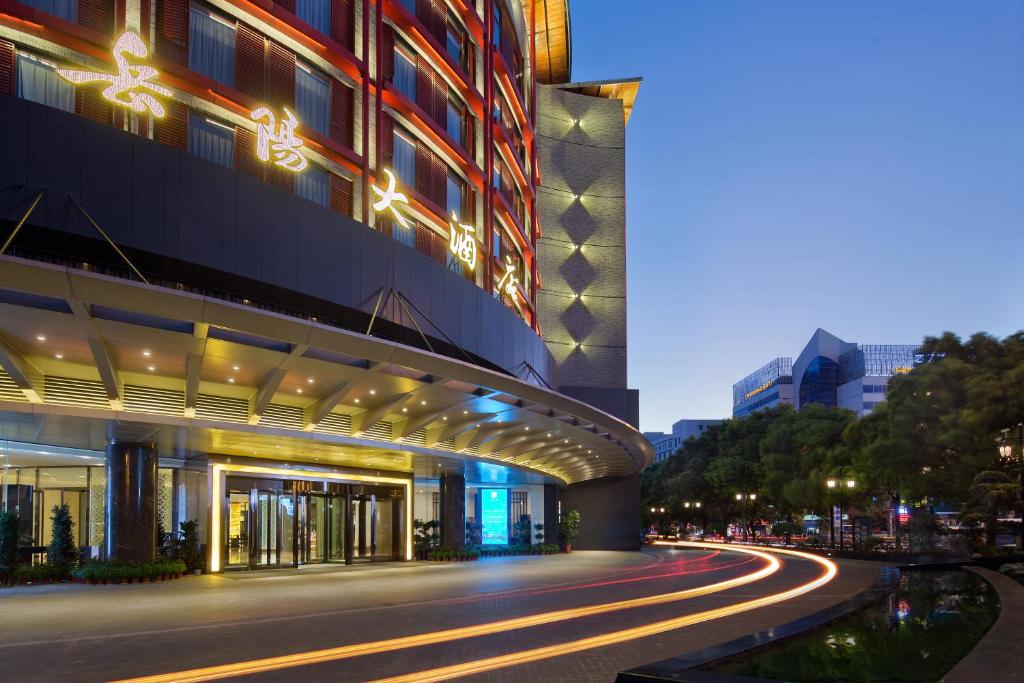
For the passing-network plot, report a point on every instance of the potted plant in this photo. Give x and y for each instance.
(8, 545)
(569, 528)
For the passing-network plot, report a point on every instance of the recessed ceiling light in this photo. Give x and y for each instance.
(373, 392)
(298, 391)
(58, 356)
(357, 400)
(151, 368)
(465, 412)
(147, 353)
(41, 337)
(423, 403)
(309, 381)
(405, 410)
(549, 435)
(236, 368)
(527, 427)
(445, 418)
(231, 380)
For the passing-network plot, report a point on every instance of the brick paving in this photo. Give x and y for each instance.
(87, 633)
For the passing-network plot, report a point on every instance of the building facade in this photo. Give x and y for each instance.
(767, 387)
(272, 267)
(829, 371)
(666, 444)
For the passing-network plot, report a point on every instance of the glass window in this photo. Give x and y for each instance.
(406, 236)
(496, 31)
(211, 46)
(453, 44)
(316, 13)
(455, 202)
(313, 184)
(405, 74)
(409, 5)
(65, 9)
(38, 81)
(496, 244)
(404, 163)
(211, 140)
(455, 126)
(312, 99)
(819, 382)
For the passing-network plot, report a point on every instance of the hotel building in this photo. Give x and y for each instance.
(279, 267)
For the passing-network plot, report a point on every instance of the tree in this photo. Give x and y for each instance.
(9, 523)
(787, 530)
(569, 526)
(990, 492)
(62, 551)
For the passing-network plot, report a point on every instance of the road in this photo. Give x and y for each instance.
(578, 617)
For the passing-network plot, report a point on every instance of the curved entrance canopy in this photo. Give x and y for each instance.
(89, 358)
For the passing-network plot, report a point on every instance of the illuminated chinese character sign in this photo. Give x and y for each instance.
(494, 516)
(132, 85)
(388, 197)
(462, 241)
(509, 284)
(279, 139)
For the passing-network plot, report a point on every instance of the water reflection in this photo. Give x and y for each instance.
(925, 626)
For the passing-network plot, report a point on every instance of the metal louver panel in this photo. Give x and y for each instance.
(284, 417)
(448, 445)
(223, 409)
(381, 430)
(9, 391)
(333, 423)
(417, 438)
(81, 393)
(157, 401)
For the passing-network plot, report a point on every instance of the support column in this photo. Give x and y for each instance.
(130, 521)
(551, 513)
(453, 511)
(349, 529)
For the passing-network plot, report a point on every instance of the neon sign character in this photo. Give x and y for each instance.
(279, 139)
(509, 283)
(461, 241)
(131, 86)
(388, 197)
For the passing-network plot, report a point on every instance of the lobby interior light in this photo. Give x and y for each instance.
(146, 353)
(310, 380)
(151, 368)
(357, 400)
(373, 392)
(236, 368)
(299, 390)
(231, 380)
(59, 356)
(41, 337)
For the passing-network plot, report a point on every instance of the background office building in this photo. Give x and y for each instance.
(769, 386)
(830, 372)
(666, 444)
(274, 267)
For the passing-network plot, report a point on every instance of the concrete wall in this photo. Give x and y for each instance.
(609, 512)
(169, 209)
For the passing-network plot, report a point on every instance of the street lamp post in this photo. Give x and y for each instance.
(691, 505)
(745, 497)
(1006, 453)
(842, 483)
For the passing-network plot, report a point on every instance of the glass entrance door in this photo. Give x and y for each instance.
(362, 528)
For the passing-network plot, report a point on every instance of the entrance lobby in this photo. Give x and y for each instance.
(287, 523)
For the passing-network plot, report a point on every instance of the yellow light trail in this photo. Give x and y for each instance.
(616, 637)
(361, 649)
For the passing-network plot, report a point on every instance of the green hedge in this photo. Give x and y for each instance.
(39, 573)
(441, 555)
(122, 571)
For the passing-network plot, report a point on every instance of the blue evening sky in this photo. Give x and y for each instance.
(856, 165)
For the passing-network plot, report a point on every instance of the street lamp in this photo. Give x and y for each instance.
(691, 505)
(841, 483)
(746, 498)
(1006, 453)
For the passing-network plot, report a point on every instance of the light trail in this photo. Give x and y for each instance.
(361, 649)
(624, 635)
